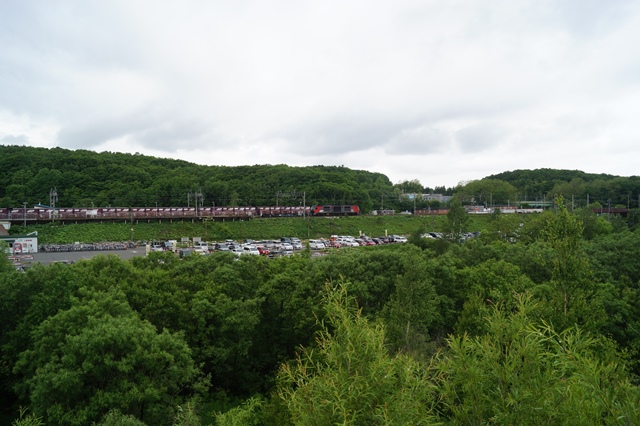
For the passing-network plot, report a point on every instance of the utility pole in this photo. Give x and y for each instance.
(24, 210)
(198, 196)
(53, 198)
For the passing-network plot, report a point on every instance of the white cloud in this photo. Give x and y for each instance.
(430, 90)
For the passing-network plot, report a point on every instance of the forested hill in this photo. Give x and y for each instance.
(84, 178)
(597, 188)
(543, 180)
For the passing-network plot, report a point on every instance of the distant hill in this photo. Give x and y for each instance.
(576, 184)
(84, 178)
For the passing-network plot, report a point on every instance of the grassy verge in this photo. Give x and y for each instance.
(315, 227)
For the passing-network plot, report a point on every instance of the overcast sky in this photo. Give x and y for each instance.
(440, 91)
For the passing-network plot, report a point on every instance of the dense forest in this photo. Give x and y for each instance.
(533, 322)
(580, 187)
(84, 178)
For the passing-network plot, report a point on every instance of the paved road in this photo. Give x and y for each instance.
(47, 258)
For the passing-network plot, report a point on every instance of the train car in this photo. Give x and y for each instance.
(335, 210)
(280, 211)
(427, 212)
(113, 213)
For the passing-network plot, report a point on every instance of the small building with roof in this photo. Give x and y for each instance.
(18, 244)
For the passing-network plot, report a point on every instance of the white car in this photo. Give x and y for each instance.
(202, 250)
(348, 242)
(250, 249)
(316, 245)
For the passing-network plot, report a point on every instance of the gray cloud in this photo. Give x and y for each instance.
(342, 81)
(419, 140)
(480, 137)
(340, 135)
(156, 132)
(15, 139)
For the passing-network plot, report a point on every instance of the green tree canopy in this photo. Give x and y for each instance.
(99, 355)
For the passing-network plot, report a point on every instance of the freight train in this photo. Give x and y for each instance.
(47, 214)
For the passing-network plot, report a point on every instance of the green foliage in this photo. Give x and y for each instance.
(186, 415)
(250, 413)
(504, 227)
(488, 284)
(469, 347)
(350, 378)
(525, 373)
(457, 219)
(412, 308)
(27, 300)
(98, 355)
(272, 228)
(5, 265)
(597, 188)
(85, 179)
(615, 259)
(570, 278)
(488, 192)
(410, 187)
(27, 419)
(116, 418)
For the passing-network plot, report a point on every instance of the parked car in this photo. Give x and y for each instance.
(335, 244)
(250, 249)
(270, 244)
(202, 250)
(316, 245)
(221, 247)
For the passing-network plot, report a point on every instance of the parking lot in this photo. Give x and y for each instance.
(72, 253)
(47, 258)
